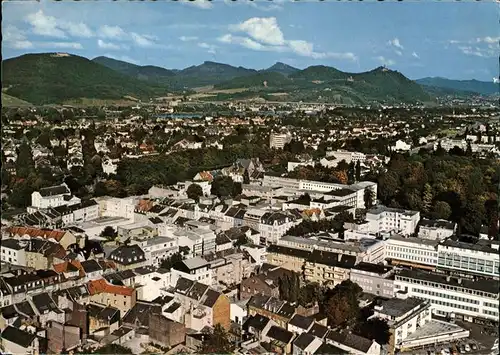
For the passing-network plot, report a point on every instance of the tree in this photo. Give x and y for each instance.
(216, 342)
(222, 186)
(109, 233)
(289, 287)
(24, 163)
(167, 263)
(113, 349)
(369, 197)
(375, 328)
(342, 305)
(358, 171)
(194, 191)
(427, 198)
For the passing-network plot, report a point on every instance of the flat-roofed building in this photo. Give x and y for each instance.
(479, 257)
(374, 278)
(451, 296)
(436, 229)
(414, 252)
(401, 221)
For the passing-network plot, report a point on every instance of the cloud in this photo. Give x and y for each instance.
(15, 38)
(398, 52)
(395, 43)
(77, 29)
(60, 45)
(385, 61)
(488, 39)
(277, 5)
(188, 38)
(262, 29)
(108, 45)
(112, 32)
(44, 25)
(201, 4)
(142, 40)
(264, 34)
(415, 55)
(212, 49)
(477, 51)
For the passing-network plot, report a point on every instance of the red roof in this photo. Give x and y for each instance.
(37, 232)
(102, 286)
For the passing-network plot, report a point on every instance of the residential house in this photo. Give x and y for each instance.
(128, 257)
(17, 341)
(306, 344)
(103, 319)
(280, 340)
(352, 343)
(64, 238)
(53, 196)
(62, 337)
(121, 297)
(166, 332)
(195, 269)
(265, 283)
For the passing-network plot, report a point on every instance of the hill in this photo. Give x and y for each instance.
(475, 86)
(209, 73)
(12, 101)
(282, 68)
(54, 78)
(327, 84)
(150, 73)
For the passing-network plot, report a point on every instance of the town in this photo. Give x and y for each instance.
(250, 228)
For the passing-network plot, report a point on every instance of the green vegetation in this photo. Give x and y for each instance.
(471, 86)
(12, 101)
(217, 342)
(459, 187)
(52, 78)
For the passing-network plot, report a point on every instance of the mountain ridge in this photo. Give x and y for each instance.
(471, 85)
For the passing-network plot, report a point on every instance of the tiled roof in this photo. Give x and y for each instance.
(37, 232)
(101, 286)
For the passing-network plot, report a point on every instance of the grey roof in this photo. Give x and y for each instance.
(351, 340)
(301, 321)
(488, 286)
(280, 334)
(328, 349)
(12, 243)
(318, 330)
(90, 266)
(303, 341)
(257, 322)
(397, 307)
(18, 336)
(54, 190)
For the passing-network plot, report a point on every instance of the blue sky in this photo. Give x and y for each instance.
(458, 40)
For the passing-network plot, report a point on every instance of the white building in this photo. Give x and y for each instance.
(410, 251)
(347, 156)
(384, 219)
(53, 196)
(450, 296)
(404, 315)
(158, 248)
(436, 229)
(194, 269)
(278, 140)
(200, 241)
(116, 207)
(401, 146)
(373, 278)
(480, 258)
(13, 251)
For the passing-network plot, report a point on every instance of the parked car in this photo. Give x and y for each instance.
(473, 346)
(467, 347)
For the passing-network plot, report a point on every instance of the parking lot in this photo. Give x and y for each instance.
(481, 341)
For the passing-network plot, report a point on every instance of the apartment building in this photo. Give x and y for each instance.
(278, 140)
(414, 252)
(478, 257)
(158, 248)
(194, 269)
(452, 296)
(404, 316)
(384, 219)
(53, 196)
(374, 278)
(436, 229)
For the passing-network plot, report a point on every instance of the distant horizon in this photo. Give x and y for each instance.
(261, 69)
(457, 40)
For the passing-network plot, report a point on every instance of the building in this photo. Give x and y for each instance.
(265, 283)
(414, 252)
(404, 316)
(436, 229)
(158, 248)
(121, 297)
(478, 257)
(384, 219)
(278, 140)
(128, 257)
(17, 341)
(374, 278)
(62, 237)
(328, 268)
(194, 269)
(452, 297)
(53, 196)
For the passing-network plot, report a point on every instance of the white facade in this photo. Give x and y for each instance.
(412, 251)
(481, 258)
(116, 207)
(404, 319)
(452, 297)
(12, 252)
(436, 230)
(158, 248)
(54, 196)
(278, 140)
(384, 219)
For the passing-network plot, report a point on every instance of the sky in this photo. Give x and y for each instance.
(456, 40)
